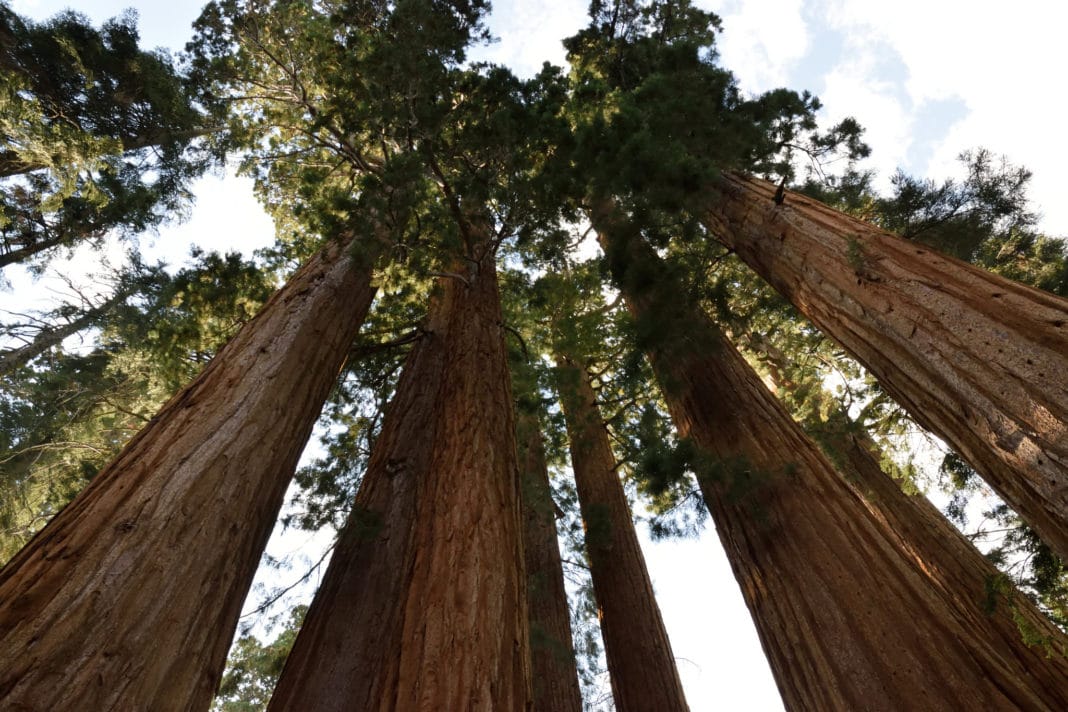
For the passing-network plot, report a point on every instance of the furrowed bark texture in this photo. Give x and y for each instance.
(977, 359)
(951, 562)
(128, 599)
(640, 662)
(423, 606)
(965, 578)
(552, 653)
(847, 617)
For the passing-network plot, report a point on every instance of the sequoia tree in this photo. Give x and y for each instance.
(192, 498)
(424, 603)
(67, 410)
(975, 358)
(805, 548)
(552, 653)
(951, 562)
(640, 662)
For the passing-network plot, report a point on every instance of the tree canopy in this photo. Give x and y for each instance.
(365, 123)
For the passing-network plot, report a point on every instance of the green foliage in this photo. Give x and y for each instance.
(64, 416)
(361, 117)
(656, 118)
(253, 668)
(93, 133)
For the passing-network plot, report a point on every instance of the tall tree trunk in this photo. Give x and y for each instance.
(552, 652)
(977, 359)
(951, 561)
(640, 662)
(128, 599)
(423, 606)
(848, 618)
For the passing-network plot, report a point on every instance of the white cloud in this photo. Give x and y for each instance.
(761, 41)
(531, 33)
(853, 88)
(1003, 62)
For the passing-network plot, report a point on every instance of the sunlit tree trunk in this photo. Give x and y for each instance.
(966, 578)
(552, 653)
(952, 563)
(640, 662)
(848, 618)
(423, 606)
(977, 359)
(128, 599)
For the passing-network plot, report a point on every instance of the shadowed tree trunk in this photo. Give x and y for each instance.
(977, 359)
(848, 618)
(552, 653)
(128, 599)
(423, 606)
(640, 662)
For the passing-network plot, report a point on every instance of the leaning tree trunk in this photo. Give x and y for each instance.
(977, 359)
(423, 606)
(552, 652)
(951, 561)
(128, 599)
(640, 662)
(847, 616)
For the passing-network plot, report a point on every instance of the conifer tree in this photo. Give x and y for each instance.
(640, 662)
(552, 653)
(193, 499)
(973, 357)
(66, 412)
(806, 551)
(95, 134)
(424, 603)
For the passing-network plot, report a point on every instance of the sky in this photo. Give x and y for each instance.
(927, 80)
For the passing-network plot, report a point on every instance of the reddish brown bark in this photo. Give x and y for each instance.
(128, 599)
(977, 359)
(640, 662)
(950, 560)
(847, 616)
(423, 606)
(552, 653)
(965, 577)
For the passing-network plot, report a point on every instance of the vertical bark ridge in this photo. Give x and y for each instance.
(641, 664)
(979, 360)
(553, 667)
(427, 609)
(848, 618)
(951, 562)
(128, 599)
